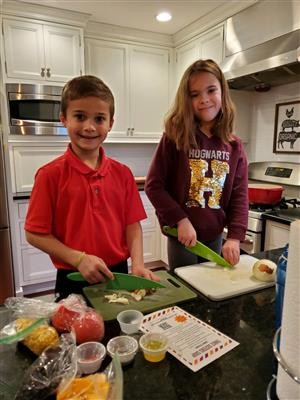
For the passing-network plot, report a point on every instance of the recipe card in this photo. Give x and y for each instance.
(191, 341)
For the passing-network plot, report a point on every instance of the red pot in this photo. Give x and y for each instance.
(264, 193)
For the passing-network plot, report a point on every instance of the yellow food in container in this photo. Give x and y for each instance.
(88, 388)
(154, 346)
(40, 338)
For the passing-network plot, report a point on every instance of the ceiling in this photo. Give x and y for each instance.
(140, 14)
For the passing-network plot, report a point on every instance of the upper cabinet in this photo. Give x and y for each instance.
(139, 79)
(207, 45)
(43, 52)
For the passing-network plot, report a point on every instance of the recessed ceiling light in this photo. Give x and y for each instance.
(163, 16)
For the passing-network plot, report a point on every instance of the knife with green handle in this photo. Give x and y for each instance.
(200, 249)
(122, 281)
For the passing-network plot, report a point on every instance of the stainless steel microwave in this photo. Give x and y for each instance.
(34, 109)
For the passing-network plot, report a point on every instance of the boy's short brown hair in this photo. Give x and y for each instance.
(85, 86)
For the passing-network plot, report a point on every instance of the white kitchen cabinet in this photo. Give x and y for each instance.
(31, 266)
(139, 79)
(44, 52)
(26, 160)
(276, 235)
(205, 46)
(151, 232)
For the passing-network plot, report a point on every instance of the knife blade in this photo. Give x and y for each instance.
(200, 249)
(122, 281)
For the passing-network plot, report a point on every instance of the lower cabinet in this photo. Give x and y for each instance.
(151, 232)
(34, 271)
(276, 235)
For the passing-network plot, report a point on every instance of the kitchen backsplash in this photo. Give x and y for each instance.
(136, 155)
(260, 146)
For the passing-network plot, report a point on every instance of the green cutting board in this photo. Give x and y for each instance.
(175, 292)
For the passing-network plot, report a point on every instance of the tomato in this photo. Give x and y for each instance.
(64, 318)
(89, 328)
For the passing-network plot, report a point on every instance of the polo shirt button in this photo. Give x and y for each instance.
(96, 190)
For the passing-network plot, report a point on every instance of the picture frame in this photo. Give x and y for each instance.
(287, 128)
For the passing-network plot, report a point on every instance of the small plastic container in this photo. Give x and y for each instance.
(90, 356)
(154, 346)
(130, 321)
(125, 346)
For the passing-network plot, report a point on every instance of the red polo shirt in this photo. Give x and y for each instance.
(86, 209)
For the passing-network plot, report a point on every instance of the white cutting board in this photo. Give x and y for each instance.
(219, 283)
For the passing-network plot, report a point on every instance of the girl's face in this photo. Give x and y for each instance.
(88, 122)
(206, 96)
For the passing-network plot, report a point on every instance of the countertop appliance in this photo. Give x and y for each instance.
(6, 268)
(34, 109)
(277, 173)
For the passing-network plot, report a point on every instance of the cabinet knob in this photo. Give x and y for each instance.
(131, 131)
(43, 72)
(48, 73)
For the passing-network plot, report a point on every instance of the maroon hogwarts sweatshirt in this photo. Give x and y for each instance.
(208, 184)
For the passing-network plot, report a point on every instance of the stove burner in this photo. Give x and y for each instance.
(282, 205)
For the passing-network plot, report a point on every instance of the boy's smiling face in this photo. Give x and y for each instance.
(88, 122)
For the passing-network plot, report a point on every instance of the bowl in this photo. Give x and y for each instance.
(154, 346)
(125, 346)
(90, 356)
(130, 321)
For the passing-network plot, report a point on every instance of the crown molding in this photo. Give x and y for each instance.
(50, 14)
(107, 31)
(210, 20)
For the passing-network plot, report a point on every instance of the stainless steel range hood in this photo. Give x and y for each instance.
(272, 63)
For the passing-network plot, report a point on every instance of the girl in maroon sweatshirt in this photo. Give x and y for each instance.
(197, 180)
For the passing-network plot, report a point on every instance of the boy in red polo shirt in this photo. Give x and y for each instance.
(85, 209)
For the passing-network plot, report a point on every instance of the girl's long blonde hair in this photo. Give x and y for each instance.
(180, 122)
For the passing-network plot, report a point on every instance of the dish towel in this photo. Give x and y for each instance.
(287, 388)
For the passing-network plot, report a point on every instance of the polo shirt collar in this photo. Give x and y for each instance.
(84, 169)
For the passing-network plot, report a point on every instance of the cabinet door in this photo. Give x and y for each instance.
(277, 235)
(211, 45)
(24, 49)
(63, 53)
(149, 91)
(151, 232)
(185, 55)
(26, 161)
(109, 62)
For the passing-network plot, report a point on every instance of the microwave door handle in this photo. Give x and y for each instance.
(19, 96)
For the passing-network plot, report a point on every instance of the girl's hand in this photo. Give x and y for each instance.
(94, 269)
(186, 233)
(231, 251)
(145, 273)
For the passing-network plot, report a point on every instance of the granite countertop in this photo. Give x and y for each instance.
(242, 373)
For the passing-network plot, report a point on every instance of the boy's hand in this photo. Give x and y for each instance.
(94, 269)
(145, 273)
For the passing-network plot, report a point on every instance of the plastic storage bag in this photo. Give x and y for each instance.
(55, 365)
(26, 315)
(101, 386)
(73, 314)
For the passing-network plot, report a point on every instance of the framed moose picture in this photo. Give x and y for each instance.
(287, 128)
